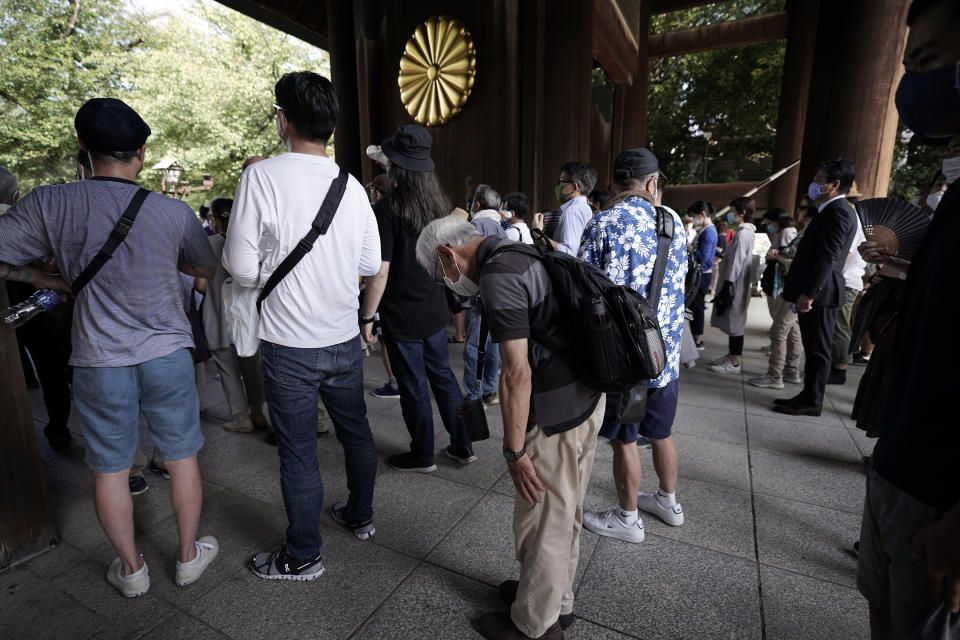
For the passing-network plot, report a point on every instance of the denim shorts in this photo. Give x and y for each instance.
(110, 400)
(657, 424)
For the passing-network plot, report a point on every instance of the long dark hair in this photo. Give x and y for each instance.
(416, 198)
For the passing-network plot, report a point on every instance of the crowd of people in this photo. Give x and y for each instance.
(149, 320)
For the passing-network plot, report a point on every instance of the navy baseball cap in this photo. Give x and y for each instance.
(110, 126)
(635, 163)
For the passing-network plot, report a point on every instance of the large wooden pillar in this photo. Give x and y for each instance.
(794, 93)
(856, 68)
(630, 108)
(24, 505)
(343, 68)
(557, 41)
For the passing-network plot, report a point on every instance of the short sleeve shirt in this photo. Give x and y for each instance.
(132, 310)
(623, 242)
(413, 306)
(518, 302)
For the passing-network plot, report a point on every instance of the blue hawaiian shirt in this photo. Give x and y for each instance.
(623, 242)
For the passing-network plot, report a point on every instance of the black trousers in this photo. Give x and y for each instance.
(47, 338)
(698, 304)
(816, 332)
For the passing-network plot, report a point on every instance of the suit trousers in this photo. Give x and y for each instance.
(816, 331)
(547, 535)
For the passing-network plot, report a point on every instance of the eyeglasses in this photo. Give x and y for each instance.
(562, 181)
(276, 108)
(438, 273)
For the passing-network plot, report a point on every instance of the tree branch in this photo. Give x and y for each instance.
(73, 21)
(9, 98)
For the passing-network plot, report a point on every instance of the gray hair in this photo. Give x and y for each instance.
(638, 184)
(9, 186)
(449, 230)
(487, 197)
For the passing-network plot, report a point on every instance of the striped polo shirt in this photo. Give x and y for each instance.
(518, 302)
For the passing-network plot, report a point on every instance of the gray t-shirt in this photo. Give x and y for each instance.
(132, 310)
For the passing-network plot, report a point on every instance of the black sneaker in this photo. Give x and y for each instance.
(153, 467)
(463, 456)
(861, 358)
(837, 376)
(280, 565)
(138, 485)
(386, 391)
(363, 530)
(700, 346)
(409, 462)
(491, 400)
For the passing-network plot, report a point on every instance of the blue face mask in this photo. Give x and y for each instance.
(730, 218)
(772, 228)
(929, 101)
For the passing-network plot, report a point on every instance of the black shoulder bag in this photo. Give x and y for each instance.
(318, 228)
(471, 412)
(120, 231)
(631, 406)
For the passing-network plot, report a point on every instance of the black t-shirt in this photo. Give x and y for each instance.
(414, 306)
(919, 445)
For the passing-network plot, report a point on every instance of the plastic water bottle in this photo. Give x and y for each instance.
(268, 244)
(41, 300)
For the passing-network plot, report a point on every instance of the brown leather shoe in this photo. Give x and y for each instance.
(497, 625)
(798, 410)
(508, 593)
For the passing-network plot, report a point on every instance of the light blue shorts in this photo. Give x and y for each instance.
(110, 400)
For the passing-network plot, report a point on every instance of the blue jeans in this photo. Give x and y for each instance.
(491, 361)
(415, 364)
(292, 378)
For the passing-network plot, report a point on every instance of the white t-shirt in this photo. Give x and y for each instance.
(520, 232)
(854, 266)
(316, 304)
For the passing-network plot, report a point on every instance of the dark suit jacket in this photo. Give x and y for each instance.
(817, 269)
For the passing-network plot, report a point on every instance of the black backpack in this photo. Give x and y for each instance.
(610, 337)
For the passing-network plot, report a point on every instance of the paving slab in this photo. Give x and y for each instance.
(334, 605)
(801, 438)
(431, 603)
(797, 607)
(668, 589)
(711, 424)
(809, 478)
(31, 608)
(807, 539)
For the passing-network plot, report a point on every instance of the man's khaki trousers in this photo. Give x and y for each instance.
(548, 534)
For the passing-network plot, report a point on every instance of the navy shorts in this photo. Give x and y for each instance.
(656, 425)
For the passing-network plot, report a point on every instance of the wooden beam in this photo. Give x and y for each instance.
(668, 6)
(307, 24)
(722, 35)
(614, 46)
(681, 196)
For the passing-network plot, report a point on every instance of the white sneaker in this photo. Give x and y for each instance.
(767, 382)
(647, 501)
(608, 523)
(134, 585)
(207, 549)
(725, 367)
(720, 360)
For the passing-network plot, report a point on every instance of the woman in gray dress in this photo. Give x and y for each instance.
(731, 302)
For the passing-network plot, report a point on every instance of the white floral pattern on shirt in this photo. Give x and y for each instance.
(623, 242)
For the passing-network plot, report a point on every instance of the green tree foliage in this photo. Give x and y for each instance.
(203, 80)
(914, 166)
(734, 94)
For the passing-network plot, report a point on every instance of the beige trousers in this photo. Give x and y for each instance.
(548, 534)
(786, 347)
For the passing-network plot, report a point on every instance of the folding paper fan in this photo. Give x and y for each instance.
(897, 226)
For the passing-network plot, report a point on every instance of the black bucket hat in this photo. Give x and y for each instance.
(410, 148)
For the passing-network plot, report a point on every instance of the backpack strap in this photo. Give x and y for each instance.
(318, 228)
(120, 231)
(664, 238)
(481, 353)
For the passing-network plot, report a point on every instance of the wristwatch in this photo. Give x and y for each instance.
(364, 321)
(513, 456)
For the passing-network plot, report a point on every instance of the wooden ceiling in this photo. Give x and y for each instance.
(304, 19)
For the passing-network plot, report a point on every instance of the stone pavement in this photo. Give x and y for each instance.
(772, 506)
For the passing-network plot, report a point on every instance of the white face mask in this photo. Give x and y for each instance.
(934, 199)
(951, 168)
(506, 214)
(464, 286)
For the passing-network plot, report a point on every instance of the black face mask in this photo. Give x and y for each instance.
(929, 102)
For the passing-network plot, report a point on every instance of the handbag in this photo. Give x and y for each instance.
(201, 349)
(242, 304)
(631, 406)
(471, 412)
